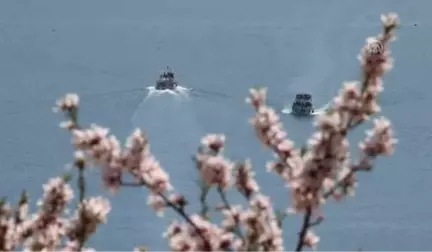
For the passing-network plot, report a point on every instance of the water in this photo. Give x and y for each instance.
(110, 52)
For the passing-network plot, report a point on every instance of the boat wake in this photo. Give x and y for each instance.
(170, 122)
(323, 109)
(179, 91)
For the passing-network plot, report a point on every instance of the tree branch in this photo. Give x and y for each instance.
(178, 210)
(304, 229)
(228, 206)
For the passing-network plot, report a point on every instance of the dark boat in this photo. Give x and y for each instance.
(302, 105)
(166, 81)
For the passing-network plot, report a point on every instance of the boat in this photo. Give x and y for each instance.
(302, 105)
(166, 81)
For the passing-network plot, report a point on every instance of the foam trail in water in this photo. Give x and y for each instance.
(321, 110)
(170, 122)
(178, 91)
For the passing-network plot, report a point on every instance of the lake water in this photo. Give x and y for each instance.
(108, 51)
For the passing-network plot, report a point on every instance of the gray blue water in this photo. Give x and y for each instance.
(107, 50)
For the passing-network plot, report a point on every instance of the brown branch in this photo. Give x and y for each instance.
(81, 183)
(203, 200)
(82, 191)
(338, 184)
(228, 206)
(343, 180)
(179, 210)
(316, 222)
(304, 229)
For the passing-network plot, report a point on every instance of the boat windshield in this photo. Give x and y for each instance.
(170, 75)
(303, 96)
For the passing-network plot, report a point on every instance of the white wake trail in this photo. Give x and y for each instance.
(171, 124)
(179, 92)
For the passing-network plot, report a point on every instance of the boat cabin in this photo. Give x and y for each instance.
(303, 97)
(166, 80)
(302, 105)
(168, 75)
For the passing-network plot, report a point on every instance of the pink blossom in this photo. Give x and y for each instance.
(215, 170)
(380, 140)
(311, 239)
(214, 142)
(244, 179)
(157, 203)
(231, 217)
(68, 102)
(258, 97)
(74, 246)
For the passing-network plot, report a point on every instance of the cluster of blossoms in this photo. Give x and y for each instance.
(313, 173)
(324, 166)
(104, 150)
(50, 229)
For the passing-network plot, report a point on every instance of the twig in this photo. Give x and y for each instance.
(338, 184)
(304, 229)
(82, 191)
(72, 114)
(81, 183)
(203, 200)
(228, 206)
(342, 181)
(316, 222)
(179, 210)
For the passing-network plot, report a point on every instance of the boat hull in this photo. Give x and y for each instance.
(166, 85)
(296, 111)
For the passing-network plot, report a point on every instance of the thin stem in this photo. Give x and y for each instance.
(342, 181)
(177, 209)
(316, 222)
(82, 191)
(81, 183)
(203, 200)
(228, 206)
(72, 114)
(304, 229)
(338, 184)
(182, 213)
